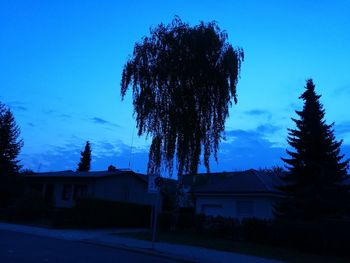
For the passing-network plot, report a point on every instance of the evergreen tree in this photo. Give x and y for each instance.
(10, 144)
(314, 182)
(112, 168)
(84, 165)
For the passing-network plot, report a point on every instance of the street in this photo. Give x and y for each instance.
(23, 248)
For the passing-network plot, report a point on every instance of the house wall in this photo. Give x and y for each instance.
(58, 200)
(236, 206)
(124, 188)
(67, 199)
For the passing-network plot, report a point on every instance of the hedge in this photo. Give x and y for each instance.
(102, 213)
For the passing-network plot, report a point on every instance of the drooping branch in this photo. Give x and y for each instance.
(183, 80)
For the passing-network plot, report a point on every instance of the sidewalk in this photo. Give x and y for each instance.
(103, 237)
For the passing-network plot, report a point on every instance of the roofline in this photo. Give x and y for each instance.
(79, 174)
(224, 172)
(257, 193)
(84, 177)
(262, 181)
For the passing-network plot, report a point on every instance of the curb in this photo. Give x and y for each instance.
(150, 252)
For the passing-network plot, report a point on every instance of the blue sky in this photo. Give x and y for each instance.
(61, 63)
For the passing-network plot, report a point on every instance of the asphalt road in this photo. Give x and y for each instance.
(24, 248)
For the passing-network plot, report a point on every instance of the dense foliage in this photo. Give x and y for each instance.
(102, 213)
(10, 143)
(85, 160)
(314, 183)
(183, 80)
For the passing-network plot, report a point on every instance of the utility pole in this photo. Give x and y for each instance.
(154, 183)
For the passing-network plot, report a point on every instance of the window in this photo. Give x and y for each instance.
(80, 190)
(245, 208)
(66, 192)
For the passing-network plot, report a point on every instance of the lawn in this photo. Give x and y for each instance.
(278, 253)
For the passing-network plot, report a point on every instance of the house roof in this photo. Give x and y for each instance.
(249, 181)
(69, 174)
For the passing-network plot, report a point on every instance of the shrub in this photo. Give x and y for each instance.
(29, 206)
(323, 237)
(186, 219)
(101, 213)
(256, 230)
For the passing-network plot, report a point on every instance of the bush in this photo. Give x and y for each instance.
(323, 237)
(219, 227)
(29, 206)
(101, 213)
(256, 230)
(189, 221)
(12, 188)
(186, 219)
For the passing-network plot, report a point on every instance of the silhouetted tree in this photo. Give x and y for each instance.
(183, 80)
(11, 185)
(274, 170)
(10, 143)
(85, 159)
(26, 172)
(112, 168)
(314, 181)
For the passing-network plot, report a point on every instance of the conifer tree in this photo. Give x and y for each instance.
(313, 185)
(10, 143)
(10, 146)
(84, 164)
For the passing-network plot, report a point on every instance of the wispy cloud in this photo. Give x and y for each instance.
(342, 90)
(267, 129)
(65, 116)
(107, 146)
(257, 112)
(48, 111)
(56, 114)
(342, 128)
(101, 121)
(66, 157)
(260, 131)
(17, 105)
(245, 149)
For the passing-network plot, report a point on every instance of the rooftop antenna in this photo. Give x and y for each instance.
(132, 143)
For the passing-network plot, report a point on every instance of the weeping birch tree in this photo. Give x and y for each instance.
(183, 81)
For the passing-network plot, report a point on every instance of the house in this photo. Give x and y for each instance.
(238, 195)
(63, 189)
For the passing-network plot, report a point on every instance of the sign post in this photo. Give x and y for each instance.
(154, 183)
